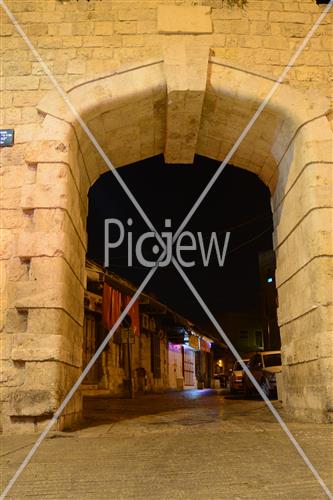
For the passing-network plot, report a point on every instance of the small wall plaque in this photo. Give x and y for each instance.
(6, 137)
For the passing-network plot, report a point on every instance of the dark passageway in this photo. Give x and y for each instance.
(239, 202)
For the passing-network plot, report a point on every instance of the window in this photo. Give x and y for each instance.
(155, 356)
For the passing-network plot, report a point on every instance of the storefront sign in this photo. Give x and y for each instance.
(193, 342)
(174, 347)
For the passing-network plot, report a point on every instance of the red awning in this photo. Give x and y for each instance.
(114, 303)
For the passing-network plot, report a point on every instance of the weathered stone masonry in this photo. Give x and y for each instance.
(191, 90)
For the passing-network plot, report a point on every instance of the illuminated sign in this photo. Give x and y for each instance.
(175, 347)
(193, 342)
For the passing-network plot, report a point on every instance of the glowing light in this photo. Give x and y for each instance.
(175, 347)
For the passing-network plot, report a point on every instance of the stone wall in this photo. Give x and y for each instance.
(77, 38)
(47, 174)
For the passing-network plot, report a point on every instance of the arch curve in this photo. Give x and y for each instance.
(140, 111)
(134, 100)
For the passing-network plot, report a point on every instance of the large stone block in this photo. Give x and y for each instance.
(312, 281)
(53, 244)
(55, 322)
(311, 145)
(50, 269)
(33, 243)
(309, 390)
(174, 19)
(308, 337)
(61, 135)
(7, 243)
(5, 346)
(297, 109)
(14, 176)
(55, 187)
(33, 402)
(57, 226)
(311, 238)
(312, 191)
(12, 374)
(16, 320)
(56, 295)
(14, 219)
(22, 83)
(10, 199)
(48, 151)
(46, 347)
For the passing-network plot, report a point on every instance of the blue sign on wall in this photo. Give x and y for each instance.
(6, 137)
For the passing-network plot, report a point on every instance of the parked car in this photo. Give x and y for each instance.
(236, 377)
(264, 366)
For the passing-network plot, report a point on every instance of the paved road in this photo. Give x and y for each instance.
(189, 445)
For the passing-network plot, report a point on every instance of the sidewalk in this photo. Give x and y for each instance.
(195, 445)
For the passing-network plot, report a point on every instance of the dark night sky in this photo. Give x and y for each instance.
(238, 202)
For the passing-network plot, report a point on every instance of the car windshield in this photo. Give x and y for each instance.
(272, 359)
(238, 366)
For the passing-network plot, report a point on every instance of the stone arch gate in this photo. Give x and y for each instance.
(186, 103)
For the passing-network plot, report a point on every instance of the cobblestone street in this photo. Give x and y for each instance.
(194, 444)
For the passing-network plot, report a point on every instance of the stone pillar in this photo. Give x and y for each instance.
(302, 206)
(43, 324)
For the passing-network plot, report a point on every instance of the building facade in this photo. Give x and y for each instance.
(162, 351)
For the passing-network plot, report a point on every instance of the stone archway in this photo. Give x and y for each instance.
(185, 104)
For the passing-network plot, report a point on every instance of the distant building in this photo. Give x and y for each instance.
(244, 329)
(269, 299)
(157, 350)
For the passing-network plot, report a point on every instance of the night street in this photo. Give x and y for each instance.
(191, 444)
